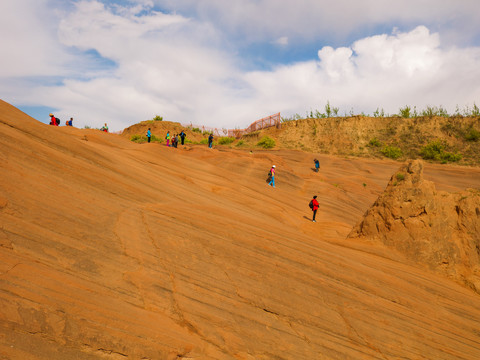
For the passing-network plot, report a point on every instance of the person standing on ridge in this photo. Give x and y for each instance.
(168, 138)
(272, 173)
(317, 165)
(149, 135)
(314, 206)
(210, 140)
(70, 122)
(183, 136)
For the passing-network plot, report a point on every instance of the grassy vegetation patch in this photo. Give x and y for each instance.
(143, 139)
(472, 135)
(266, 142)
(225, 140)
(435, 150)
(392, 152)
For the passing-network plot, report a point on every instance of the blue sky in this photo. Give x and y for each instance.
(228, 63)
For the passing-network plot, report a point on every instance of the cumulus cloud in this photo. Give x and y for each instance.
(121, 64)
(383, 71)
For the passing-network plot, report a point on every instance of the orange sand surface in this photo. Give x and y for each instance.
(115, 250)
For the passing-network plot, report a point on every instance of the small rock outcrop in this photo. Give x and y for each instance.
(434, 228)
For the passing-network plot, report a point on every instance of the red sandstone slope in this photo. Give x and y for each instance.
(115, 250)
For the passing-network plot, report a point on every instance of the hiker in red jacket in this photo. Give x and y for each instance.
(53, 120)
(314, 206)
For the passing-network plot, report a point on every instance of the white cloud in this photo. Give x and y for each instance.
(338, 21)
(282, 41)
(29, 45)
(378, 71)
(184, 69)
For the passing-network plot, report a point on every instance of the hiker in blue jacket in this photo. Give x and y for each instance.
(272, 173)
(149, 135)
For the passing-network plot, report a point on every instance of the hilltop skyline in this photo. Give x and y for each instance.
(227, 64)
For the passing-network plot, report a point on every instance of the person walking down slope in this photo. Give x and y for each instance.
(272, 173)
(317, 165)
(314, 206)
(168, 138)
(210, 140)
(149, 135)
(183, 136)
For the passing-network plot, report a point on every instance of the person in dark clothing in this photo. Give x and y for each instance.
(317, 165)
(149, 135)
(183, 136)
(210, 140)
(314, 207)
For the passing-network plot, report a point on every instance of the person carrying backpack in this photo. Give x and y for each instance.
(314, 205)
(167, 137)
(53, 120)
(183, 136)
(210, 140)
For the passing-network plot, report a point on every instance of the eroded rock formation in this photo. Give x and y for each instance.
(435, 228)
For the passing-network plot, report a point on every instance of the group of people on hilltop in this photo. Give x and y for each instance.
(56, 121)
(174, 138)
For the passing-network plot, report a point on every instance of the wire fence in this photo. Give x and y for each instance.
(266, 122)
(269, 121)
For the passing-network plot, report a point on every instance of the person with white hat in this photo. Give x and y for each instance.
(272, 173)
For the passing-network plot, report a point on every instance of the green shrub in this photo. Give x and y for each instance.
(379, 113)
(435, 150)
(400, 176)
(156, 139)
(266, 142)
(204, 141)
(374, 142)
(138, 138)
(197, 130)
(432, 150)
(142, 139)
(472, 135)
(450, 157)
(225, 140)
(405, 112)
(157, 118)
(240, 143)
(392, 152)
